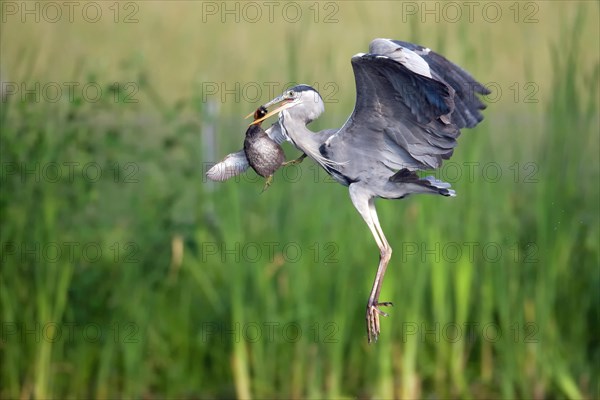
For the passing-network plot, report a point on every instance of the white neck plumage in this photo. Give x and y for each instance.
(303, 138)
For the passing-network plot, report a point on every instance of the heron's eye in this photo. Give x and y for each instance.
(290, 93)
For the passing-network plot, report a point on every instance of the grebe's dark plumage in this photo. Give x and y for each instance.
(264, 155)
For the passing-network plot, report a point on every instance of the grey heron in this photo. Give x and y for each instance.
(410, 106)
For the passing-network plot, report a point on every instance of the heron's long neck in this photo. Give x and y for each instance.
(303, 138)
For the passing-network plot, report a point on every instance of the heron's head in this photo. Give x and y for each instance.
(301, 102)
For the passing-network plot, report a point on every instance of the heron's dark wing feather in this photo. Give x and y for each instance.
(400, 117)
(232, 165)
(406, 115)
(383, 77)
(467, 103)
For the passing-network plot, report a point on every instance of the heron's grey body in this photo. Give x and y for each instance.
(410, 106)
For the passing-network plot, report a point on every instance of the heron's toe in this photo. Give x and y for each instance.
(373, 326)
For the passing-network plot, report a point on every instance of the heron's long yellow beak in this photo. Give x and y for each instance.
(282, 107)
(287, 103)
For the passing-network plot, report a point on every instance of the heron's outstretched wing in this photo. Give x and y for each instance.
(236, 163)
(467, 104)
(405, 115)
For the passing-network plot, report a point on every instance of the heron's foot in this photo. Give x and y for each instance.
(373, 313)
(267, 183)
(294, 162)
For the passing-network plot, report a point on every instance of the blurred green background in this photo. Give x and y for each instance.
(126, 275)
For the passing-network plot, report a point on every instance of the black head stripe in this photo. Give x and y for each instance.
(303, 88)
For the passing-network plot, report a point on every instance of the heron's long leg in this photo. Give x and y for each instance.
(387, 254)
(385, 251)
(366, 207)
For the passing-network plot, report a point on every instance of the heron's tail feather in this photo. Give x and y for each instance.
(429, 183)
(443, 187)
